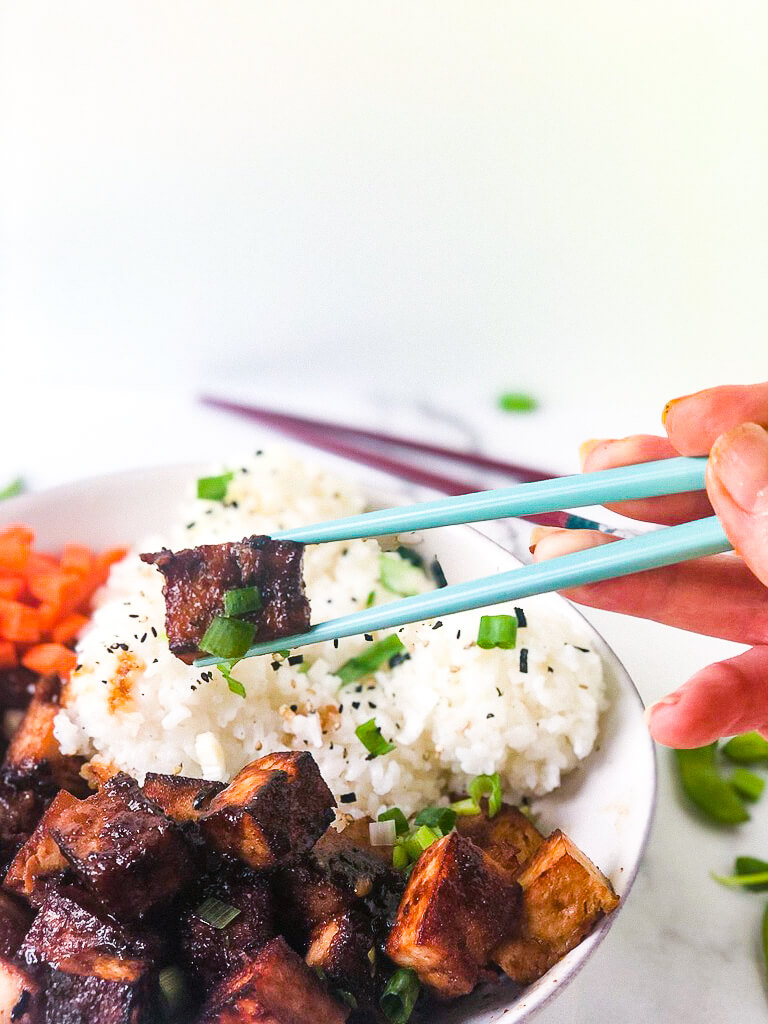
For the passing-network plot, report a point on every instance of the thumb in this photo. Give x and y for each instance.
(737, 484)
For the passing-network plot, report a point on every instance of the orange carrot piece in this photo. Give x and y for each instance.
(8, 658)
(77, 558)
(11, 587)
(68, 628)
(47, 659)
(15, 547)
(55, 588)
(19, 622)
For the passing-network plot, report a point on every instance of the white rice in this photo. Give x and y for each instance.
(452, 709)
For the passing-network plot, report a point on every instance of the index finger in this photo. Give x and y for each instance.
(694, 422)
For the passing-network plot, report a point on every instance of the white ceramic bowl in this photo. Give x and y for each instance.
(605, 805)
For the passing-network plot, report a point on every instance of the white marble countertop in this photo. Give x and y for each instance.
(683, 949)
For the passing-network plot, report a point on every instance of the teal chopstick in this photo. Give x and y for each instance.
(619, 558)
(647, 480)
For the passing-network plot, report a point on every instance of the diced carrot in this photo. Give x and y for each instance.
(8, 656)
(39, 562)
(68, 628)
(77, 558)
(56, 588)
(19, 622)
(107, 559)
(47, 659)
(15, 547)
(11, 587)
(47, 616)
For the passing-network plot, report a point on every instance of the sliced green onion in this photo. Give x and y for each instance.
(173, 989)
(228, 638)
(764, 938)
(420, 840)
(14, 487)
(497, 631)
(747, 748)
(346, 997)
(400, 858)
(370, 736)
(242, 601)
(369, 601)
(373, 658)
(747, 784)
(400, 575)
(517, 401)
(214, 488)
(490, 786)
(751, 866)
(234, 684)
(465, 807)
(748, 881)
(443, 818)
(410, 556)
(705, 787)
(399, 997)
(396, 815)
(216, 913)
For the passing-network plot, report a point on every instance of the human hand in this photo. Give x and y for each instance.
(725, 595)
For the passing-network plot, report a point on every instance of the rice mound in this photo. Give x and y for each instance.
(452, 709)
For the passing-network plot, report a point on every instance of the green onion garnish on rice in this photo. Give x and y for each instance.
(443, 818)
(216, 913)
(420, 840)
(370, 736)
(214, 488)
(465, 807)
(228, 638)
(234, 684)
(497, 631)
(373, 658)
(517, 401)
(242, 601)
(399, 997)
(490, 786)
(400, 858)
(400, 575)
(400, 820)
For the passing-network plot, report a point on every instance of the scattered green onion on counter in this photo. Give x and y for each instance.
(370, 736)
(746, 749)
(706, 788)
(242, 601)
(497, 631)
(374, 657)
(517, 401)
(747, 784)
(214, 488)
(228, 638)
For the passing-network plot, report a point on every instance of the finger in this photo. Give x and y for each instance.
(717, 596)
(737, 482)
(694, 422)
(668, 511)
(723, 699)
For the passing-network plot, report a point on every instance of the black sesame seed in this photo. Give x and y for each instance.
(276, 665)
(355, 704)
(399, 658)
(348, 798)
(371, 705)
(336, 644)
(133, 615)
(294, 708)
(437, 573)
(438, 624)
(584, 650)
(498, 692)
(359, 689)
(550, 669)
(260, 451)
(296, 659)
(521, 619)
(524, 659)
(190, 525)
(368, 637)
(458, 634)
(490, 715)
(341, 708)
(143, 638)
(153, 631)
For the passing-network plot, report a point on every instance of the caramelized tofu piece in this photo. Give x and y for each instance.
(509, 837)
(20, 1000)
(124, 849)
(305, 897)
(34, 744)
(210, 952)
(344, 949)
(275, 987)
(25, 792)
(354, 837)
(15, 919)
(71, 923)
(196, 580)
(100, 987)
(457, 907)
(564, 896)
(273, 810)
(181, 798)
(39, 860)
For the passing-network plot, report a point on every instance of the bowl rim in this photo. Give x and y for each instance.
(385, 487)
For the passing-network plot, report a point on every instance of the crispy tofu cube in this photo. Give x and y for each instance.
(509, 838)
(457, 907)
(342, 948)
(34, 744)
(305, 896)
(210, 952)
(273, 810)
(124, 849)
(71, 923)
(564, 896)
(20, 998)
(96, 986)
(15, 919)
(181, 798)
(275, 987)
(40, 859)
(196, 580)
(25, 792)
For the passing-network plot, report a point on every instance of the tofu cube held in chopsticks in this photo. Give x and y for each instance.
(564, 896)
(273, 810)
(197, 579)
(457, 907)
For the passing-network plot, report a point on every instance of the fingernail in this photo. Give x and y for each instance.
(670, 699)
(586, 447)
(665, 411)
(739, 460)
(538, 533)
